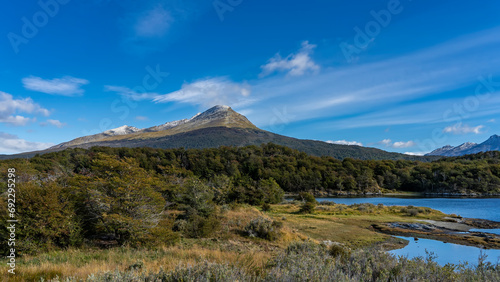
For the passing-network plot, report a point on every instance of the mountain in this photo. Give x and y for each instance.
(492, 144)
(218, 126)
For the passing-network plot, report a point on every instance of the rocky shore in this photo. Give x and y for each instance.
(454, 230)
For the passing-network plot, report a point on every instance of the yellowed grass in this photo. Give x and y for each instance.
(338, 223)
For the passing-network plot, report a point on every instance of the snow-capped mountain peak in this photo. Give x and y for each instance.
(122, 130)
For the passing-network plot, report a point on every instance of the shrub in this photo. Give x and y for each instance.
(266, 207)
(264, 228)
(309, 202)
(413, 212)
(307, 207)
(307, 197)
(338, 251)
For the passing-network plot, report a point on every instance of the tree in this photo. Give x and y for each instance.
(120, 199)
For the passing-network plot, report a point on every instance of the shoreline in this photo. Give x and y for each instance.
(455, 231)
(320, 196)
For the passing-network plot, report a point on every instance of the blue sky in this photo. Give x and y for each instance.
(403, 76)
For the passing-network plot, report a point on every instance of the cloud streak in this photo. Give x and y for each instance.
(352, 95)
(65, 86)
(153, 23)
(463, 129)
(53, 122)
(11, 144)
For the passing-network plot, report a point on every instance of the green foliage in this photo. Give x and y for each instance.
(124, 196)
(200, 212)
(121, 199)
(47, 219)
(309, 202)
(266, 207)
(307, 207)
(264, 228)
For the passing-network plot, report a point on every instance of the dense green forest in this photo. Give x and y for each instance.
(136, 196)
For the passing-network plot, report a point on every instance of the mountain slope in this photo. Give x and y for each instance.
(218, 126)
(492, 144)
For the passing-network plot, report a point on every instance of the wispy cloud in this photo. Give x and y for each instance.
(344, 142)
(398, 144)
(11, 144)
(131, 94)
(53, 122)
(141, 118)
(460, 128)
(296, 64)
(209, 92)
(9, 107)
(153, 23)
(354, 94)
(65, 86)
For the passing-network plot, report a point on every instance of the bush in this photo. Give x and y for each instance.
(264, 228)
(413, 212)
(201, 227)
(307, 197)
(338, 251)
(309, 202)
(307, 207)
(266, 207)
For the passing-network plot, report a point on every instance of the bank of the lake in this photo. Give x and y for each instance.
(483, 208)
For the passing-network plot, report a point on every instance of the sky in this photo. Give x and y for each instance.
(406, 76)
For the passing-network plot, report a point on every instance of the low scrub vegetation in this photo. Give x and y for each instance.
(313, 262)
(264, 228)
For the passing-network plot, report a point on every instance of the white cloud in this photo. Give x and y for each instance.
(11, 144)
(209, 92)
(17, 120)
(400, 144)
(153, 23)
(386, 142)
(344, 142)
(397, 145)
(131, 94)
(10, 106)
(383, 93)
(460, 128)
(415, 153)
(492, 120)
(141, 118)
(65, 86)
(53, 122)
(295, 64)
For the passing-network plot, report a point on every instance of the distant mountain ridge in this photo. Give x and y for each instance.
(217, 126)
(492, 144)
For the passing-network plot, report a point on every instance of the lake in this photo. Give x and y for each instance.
(485, 208)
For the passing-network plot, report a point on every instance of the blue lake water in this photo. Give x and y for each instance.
(485, 208)
(446, 252)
